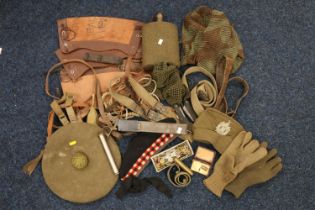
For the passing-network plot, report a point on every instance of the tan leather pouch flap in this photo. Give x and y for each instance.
(99, 34)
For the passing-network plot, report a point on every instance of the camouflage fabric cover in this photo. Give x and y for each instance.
(207, 37)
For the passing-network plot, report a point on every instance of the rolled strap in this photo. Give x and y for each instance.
(177, 177)
(204, 94)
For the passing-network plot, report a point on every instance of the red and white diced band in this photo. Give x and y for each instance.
(145, 157)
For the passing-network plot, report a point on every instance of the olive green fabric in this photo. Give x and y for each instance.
(168, 83)
(159, 44)
(208, 36)
(260, 172)
(75, 166)
(241, 153)
(205, 129)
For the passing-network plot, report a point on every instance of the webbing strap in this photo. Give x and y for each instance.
(204, 94)
(69, 109)
(58, 111)
(144, 95)
(97, 90)
(128, 103)
(142, 111)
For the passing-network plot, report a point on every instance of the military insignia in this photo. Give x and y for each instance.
(223, 128)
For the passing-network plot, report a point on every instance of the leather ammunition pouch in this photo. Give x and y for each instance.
(110, 45)
(99, 34)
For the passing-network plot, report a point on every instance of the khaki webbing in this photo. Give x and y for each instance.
(69, 109)
(204, 94)
(58, 111)
(143, 94)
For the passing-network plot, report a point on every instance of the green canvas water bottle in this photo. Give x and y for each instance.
(160, 43)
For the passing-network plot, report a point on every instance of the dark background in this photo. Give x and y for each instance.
(278, 38)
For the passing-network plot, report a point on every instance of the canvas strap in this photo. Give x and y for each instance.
(204, 94)
(177, 177)
(58, 111)
(106, 119)
(151, 101)
(212, 93)
(148, 106)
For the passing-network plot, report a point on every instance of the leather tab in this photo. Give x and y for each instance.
(102, 58)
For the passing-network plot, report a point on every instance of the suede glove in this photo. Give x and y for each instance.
(259, 172)
(241, 153)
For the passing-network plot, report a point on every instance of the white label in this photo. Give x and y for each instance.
(179, 130)
(160, 42)
(0, 50)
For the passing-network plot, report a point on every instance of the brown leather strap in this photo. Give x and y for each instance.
(223, 71)
(97, 90)
(50, 123)
(56, 68)
(232, 112)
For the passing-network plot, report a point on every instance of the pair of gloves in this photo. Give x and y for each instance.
(243, 163)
